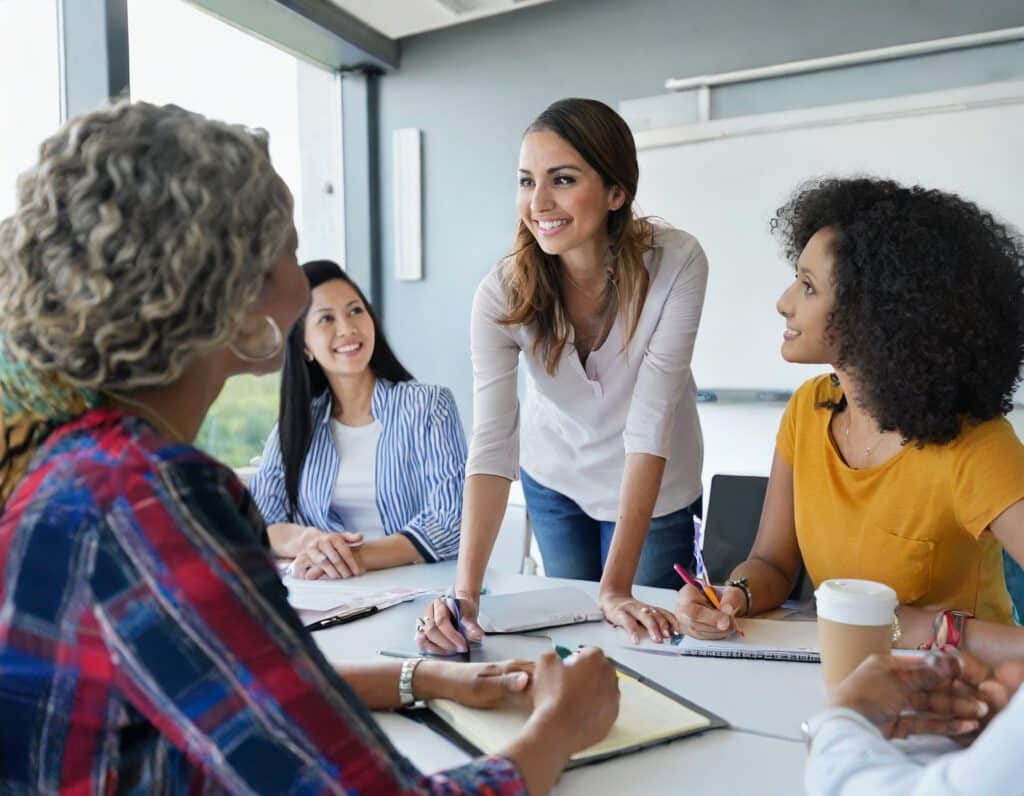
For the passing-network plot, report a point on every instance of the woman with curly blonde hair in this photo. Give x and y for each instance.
(145, 640)
(603, 306)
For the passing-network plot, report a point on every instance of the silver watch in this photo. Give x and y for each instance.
(405, 695)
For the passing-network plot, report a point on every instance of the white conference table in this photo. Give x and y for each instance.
(763, 701)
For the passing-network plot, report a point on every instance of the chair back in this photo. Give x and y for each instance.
(733, 516)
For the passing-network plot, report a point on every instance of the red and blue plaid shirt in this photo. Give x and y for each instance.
(146, 645)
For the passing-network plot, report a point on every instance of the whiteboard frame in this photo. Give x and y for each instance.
(1010, 92)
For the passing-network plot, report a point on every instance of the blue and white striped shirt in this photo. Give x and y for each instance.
(419, 471)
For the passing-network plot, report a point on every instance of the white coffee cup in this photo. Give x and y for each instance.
(854, 621)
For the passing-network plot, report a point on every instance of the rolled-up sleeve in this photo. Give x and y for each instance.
(494, 448)
(436, 527)
(267, 484)
(666, 362)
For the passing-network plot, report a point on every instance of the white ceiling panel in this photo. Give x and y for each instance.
(398, 18)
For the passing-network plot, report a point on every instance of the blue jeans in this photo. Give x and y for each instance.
(575, 545)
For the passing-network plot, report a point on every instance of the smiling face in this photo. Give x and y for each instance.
(807, 303)
(562, 200)
(339, 332)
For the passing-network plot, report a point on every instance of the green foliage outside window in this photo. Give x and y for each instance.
(240, 420)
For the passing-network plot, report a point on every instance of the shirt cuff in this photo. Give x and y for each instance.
(829, 717)
(427, 554)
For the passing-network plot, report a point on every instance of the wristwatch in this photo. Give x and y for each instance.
(405, 695)
(744, 584)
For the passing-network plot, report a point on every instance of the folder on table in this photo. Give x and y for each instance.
(535, 609)
(648, 715)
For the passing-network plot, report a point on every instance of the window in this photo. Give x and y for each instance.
(183, 55)
(29, 87)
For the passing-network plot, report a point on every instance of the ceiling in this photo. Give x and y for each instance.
(398, 18)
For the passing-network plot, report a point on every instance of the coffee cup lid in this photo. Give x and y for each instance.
(856, 602)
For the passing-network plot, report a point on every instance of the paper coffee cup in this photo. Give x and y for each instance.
(854, 621)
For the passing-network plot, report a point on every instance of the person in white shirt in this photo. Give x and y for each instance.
(603, 307)
(892, 697)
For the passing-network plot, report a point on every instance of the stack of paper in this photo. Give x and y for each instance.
(318, 599)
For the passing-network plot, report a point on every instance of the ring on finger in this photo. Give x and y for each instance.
(420, 624)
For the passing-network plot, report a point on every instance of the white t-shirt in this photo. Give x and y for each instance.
(355, 490)
(579, 424)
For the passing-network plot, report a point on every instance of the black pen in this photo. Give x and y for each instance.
(342, 619)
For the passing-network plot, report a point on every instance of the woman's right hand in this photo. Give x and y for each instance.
(698, 618)
(436, 632)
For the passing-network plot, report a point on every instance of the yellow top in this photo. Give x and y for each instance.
(918, 522)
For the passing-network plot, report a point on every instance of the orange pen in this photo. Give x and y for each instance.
(708, 592)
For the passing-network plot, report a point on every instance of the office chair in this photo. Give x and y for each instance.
(733, 514)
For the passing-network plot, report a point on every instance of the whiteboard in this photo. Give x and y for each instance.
(723, 180)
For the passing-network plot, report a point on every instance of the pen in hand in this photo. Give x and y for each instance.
(707, 591)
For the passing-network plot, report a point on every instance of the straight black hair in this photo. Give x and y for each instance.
(303, 380)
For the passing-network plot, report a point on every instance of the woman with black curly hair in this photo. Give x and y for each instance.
(900, 466)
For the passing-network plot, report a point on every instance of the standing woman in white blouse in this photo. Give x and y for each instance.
(603, 306)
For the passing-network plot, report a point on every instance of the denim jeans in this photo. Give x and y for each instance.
(575, 545)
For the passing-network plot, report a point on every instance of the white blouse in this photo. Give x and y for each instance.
(355, 488)
(579, 424)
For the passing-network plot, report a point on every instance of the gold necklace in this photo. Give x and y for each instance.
(151, 414)
(869, 448)
(577, 285)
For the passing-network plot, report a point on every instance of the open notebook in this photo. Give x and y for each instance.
(766, 639)
(648, 715)
(532, 610)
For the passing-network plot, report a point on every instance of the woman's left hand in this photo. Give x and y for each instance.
(478, 685)
(330, 555)
(638, 618)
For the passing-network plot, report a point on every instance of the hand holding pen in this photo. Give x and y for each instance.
(705, 612)
(449, 625)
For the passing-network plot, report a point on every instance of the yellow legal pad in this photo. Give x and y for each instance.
(648, 715)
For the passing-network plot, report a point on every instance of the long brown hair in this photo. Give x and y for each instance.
(530, 276)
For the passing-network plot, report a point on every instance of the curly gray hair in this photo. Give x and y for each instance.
(141, 238)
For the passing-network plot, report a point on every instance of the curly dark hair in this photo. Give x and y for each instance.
(929, 300)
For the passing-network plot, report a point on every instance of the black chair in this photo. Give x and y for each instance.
(733, 514)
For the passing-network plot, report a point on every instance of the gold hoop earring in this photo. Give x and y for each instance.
(261, 345)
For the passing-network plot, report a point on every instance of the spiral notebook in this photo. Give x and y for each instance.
(766, 639)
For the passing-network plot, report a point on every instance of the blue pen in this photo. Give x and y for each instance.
(454, 606)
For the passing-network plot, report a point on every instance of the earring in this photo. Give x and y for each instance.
(258, 345)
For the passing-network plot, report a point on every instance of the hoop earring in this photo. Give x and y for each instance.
(260, 346)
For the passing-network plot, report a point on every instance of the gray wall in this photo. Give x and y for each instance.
(473, 88)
